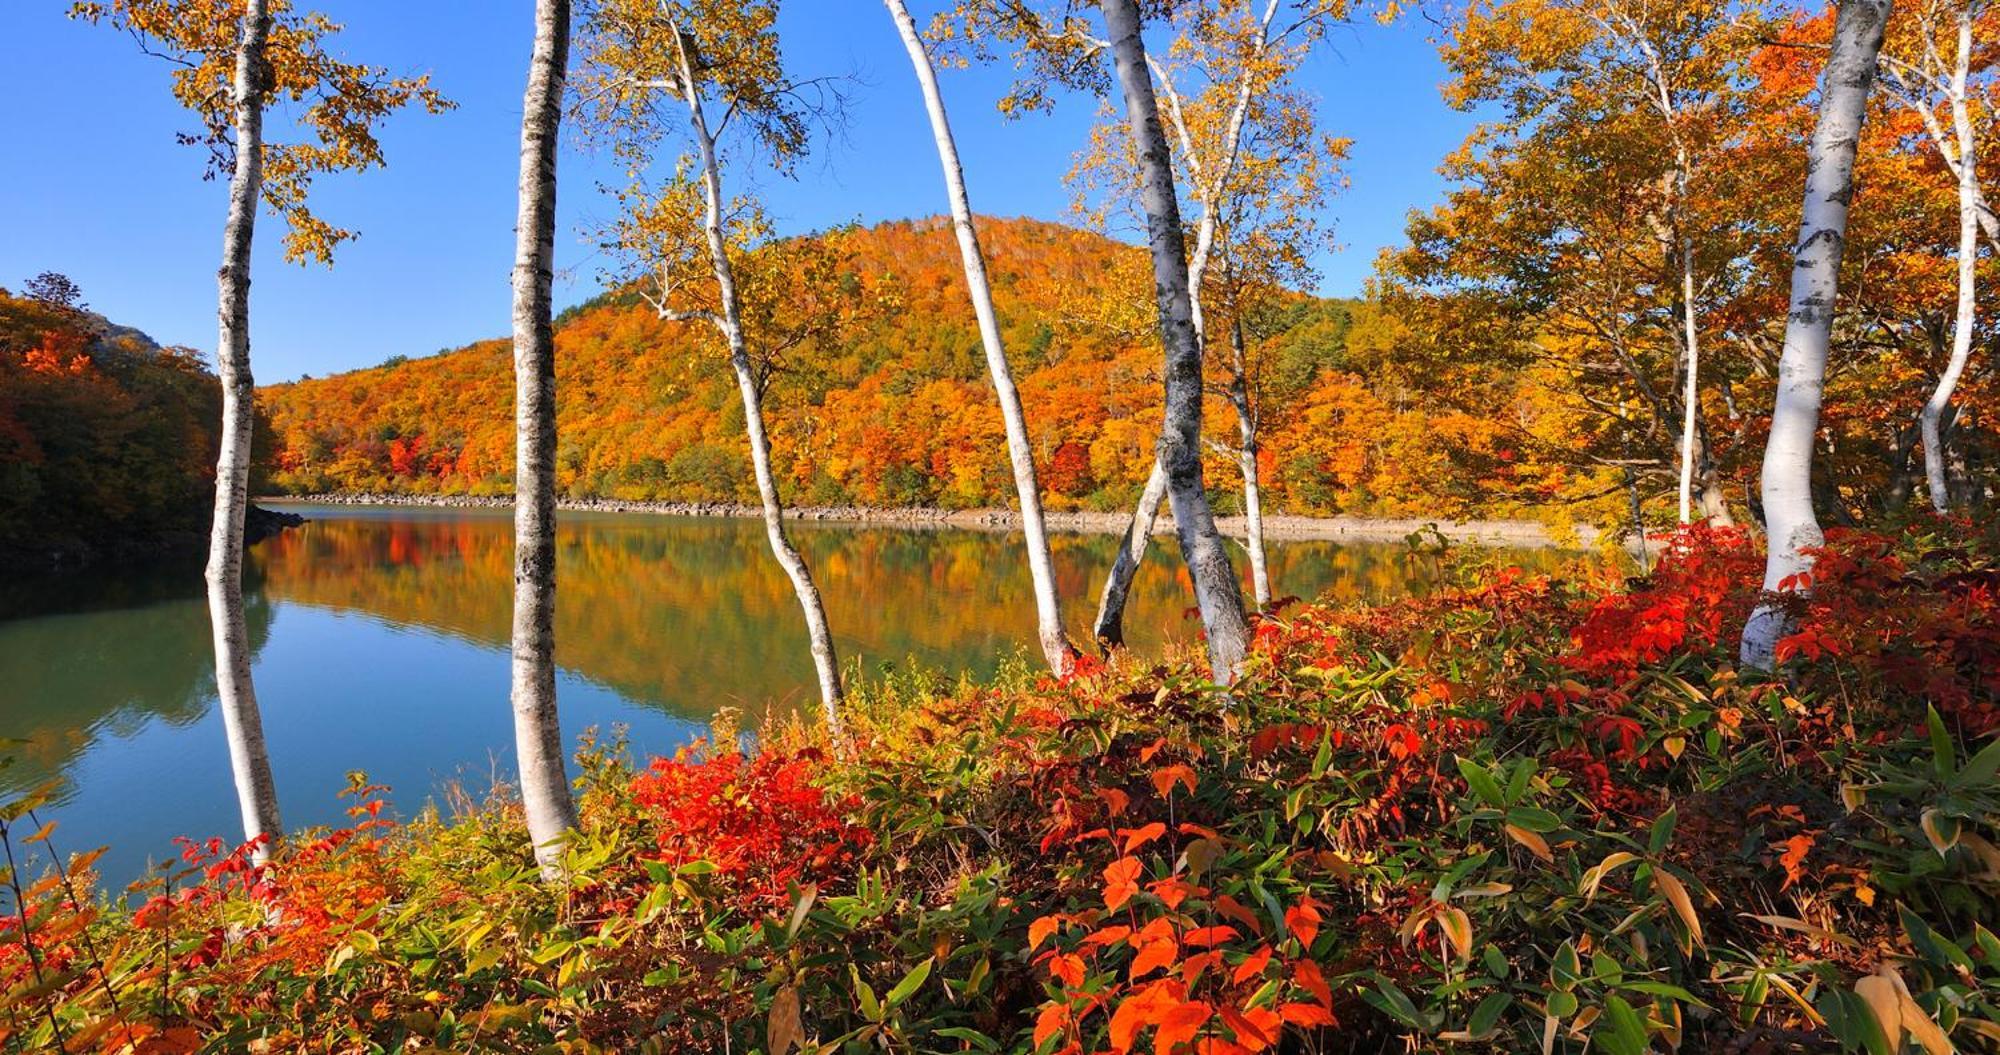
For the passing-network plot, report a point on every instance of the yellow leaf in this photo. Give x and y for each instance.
(1535, 843)
(784, 1030)
(1595, 876)
(1943, 832)
(1880, 995)
(1677, 896)
(1457, 926)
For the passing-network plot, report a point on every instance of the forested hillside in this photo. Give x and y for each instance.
(107, 440)
(888, 407)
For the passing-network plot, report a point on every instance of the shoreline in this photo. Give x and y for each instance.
(1528, 534)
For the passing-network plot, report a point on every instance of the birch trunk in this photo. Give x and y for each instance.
(825, 662)
(1109, 627)
(1791, 523)
(545, 794)
(249, 760)
(1968, 259)
(1218, 594)
(1691, 395)
(1246, 462)
(1056, 646)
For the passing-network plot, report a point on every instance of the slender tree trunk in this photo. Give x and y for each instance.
(825, 662)
(1968, 259)
(1056, 646)
(1793, 527)
(249, 761)
(1218, 594)
(1246, 461)
(538, 745)
(1691, 394)
(1109, 626)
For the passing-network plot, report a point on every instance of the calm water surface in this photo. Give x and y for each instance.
(380, 639)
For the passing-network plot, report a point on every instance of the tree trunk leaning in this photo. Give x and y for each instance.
(826, 663)
(1218, 594)
(1056, 646)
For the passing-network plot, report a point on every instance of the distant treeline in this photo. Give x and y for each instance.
(107, 440)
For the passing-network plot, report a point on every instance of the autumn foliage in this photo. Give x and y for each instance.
(106, 440)
(1521, 807)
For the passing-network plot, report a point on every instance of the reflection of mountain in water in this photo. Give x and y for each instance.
(103, 651)
(689, 614)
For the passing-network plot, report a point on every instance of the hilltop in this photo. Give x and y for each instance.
(895, 412)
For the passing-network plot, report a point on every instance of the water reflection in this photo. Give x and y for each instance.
(380, 643)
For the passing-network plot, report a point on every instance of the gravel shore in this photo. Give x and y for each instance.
(1524, 533)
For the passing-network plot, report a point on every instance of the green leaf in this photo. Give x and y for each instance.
(1566, 969)
(1487, 1014)
(1535, 820)
(1850, 1021)
(970, 1036)
(1943, 754)
(1391, 1001)
(1621, 1031)
(1663, 831)
(1979, 770)
(909, 983)
(1481, 782)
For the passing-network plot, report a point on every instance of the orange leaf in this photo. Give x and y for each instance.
(1069, 969)
(1253, 965)
(1137, 837)
(1165, 778)
(1152, 955)
(1181, 1024)
(1255, 1028)
(1107, 935)
(1303, 920)
(1039, 930)
(1307, 974)
(1306, 1015)
(1115, 800)
(1207, 936)
(1050, 1022)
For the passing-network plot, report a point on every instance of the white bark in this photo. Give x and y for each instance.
(1969, 201)
(1246, 463)
(825, 662)
(1109, 626)
(249, 761)
(1209, 187)
(545, 793)
(1218, 594)
(1691, 394)
(1791, 523)
(1056, 646)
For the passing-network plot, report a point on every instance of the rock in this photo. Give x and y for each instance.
(260, 523)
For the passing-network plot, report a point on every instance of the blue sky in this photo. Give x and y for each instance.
(97, 188)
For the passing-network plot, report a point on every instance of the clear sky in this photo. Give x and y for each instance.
(96, 187)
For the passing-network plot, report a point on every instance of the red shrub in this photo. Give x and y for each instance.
(758, 819)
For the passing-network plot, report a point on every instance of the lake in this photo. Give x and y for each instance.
(380, 639)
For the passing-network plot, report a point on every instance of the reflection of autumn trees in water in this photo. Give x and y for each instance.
(688, 615)
(90, 655)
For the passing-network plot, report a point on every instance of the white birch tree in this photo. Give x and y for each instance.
(649, 60)
(1057, 648)
(1928, 79)
(538, 744)
(228, 72)
(1791, 524)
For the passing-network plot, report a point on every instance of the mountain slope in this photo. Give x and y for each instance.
(896, 411)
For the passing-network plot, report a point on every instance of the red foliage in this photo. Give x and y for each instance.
(758, 819)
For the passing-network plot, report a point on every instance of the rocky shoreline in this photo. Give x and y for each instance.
(1523, 533)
